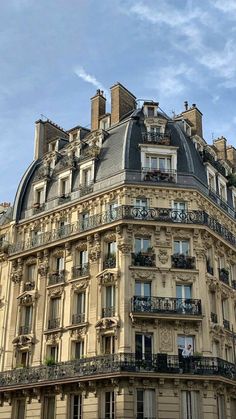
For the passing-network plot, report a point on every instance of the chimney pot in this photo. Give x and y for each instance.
(194, 105)
(186, 105)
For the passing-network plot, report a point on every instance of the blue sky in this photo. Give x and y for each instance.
(56, 53)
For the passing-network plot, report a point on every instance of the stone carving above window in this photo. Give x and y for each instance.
(108, 278)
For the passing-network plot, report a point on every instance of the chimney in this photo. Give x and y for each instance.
(231, 155)
(220, 145)
(195, 117)
(44, 131)
(122, 102)
(98, 109)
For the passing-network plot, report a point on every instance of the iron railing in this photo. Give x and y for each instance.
(56, 277)
(78, 318)
(207, 157)
(157, 138)
(108, 311)
(226, 324)
(180, 261)
(125, 212)
(29, 286)
(159, 175)
(24, 330)
(113, 364)
(143, 259)
(109, 262)
(166, 305)
(54, 323)
(80, 270)
(64, 198)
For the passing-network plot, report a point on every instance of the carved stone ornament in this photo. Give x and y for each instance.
(31, 261)
(95, 253)
(163, 256)
(166, 339)
(57, 253)
(55, 292)
(185, 277)
(81, 246)
(53, 338)
(107, 323)
(139, 274)
(79, 286)
(108, 278)
(78, 333)
(109, 237)
(28, 298)
(16, 276)
(23, 341)
(124, 247)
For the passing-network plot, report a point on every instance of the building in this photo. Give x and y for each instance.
(122, 253)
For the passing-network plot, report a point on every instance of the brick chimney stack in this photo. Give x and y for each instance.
(98, 109)
(220, 144)
(122, 102)
(195, 117)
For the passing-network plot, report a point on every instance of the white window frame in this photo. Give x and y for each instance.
(86, 167)
(211, 172)
(149, 402)
(190, 404)
(65, 176)
(40, 187)
(80, 406)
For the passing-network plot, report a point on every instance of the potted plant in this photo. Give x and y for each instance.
(49, 361)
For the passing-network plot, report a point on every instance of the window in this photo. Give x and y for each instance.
(228, 354)
(158, 163)
(108, 345)
(111, 248)
(222, 191)
(76, 406)
(64, 186)
(179, 210)
(22, 358)
(184, 291)
(79, 308)
(49, 407)
(54, 316)
(52, 352)
(143, 289)
(113, 210)
(150, 111)
(146, 408)
(209, 261)
(39, 196)
(213, 301)
(211, 181)
(19, 410)
(143, 345)
(109, 301)
(26, 320)
(59, 264)
(190, 405)
(141, 203)
(225, 309)
(31, 271)
(233, 408)
(142, 245)
(181, 247)
(221, 413)
(154, 129)
(215, 349)
(183, 341)
(86, 177)
(85, 220)
(109, 405)
(78, 349)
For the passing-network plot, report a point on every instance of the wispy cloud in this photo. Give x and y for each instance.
(228, 6)
(82, 74)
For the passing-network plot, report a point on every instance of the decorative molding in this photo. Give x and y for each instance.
(55, 292)
(108, 278)
(31, 260)
(80, 286)
(142, 274)
(163, 256)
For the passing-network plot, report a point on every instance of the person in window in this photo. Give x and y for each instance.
(186, 355)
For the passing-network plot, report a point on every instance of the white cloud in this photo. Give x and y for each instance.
(227, 6)
(82, 74)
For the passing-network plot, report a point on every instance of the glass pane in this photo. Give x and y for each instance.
(179, 291)
(176, 247)
(109, 296)
(185, 248)
(138, 288)
(153, 163)
(138, 345)
(147, 289)
(146, 244)
(138, 245)
(148, 345)
(162, 163)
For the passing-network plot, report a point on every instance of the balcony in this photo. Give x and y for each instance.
(63, 199)
(108, 311)
(157, 138)
(214, 318)
(109, 262)
(24, 330)
(54, 323)
(112, 365)
(123, 213)
(86, 189)
(143, 259)
(180, 261)
(166, 305)
(226, 324)
(29, 286)
(37, 208)
(159, 175)
(224, 275)
(80, 270)
(78, 318)
(56, 278)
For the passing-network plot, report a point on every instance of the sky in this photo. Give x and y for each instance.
(56, 53)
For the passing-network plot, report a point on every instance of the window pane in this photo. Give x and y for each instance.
(147, 289)
(138, 288)
(153, 163)
(138, 345)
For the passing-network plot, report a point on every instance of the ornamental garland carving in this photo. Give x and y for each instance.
(31, 261)
(81, 246)
(124, 247)
(107, 323)
(109, 237)
(185, 277)
(78, 333)
(23, 341)
(58, 253)
(82, 285)
(55, 292)
(138, 274)
(53, 338)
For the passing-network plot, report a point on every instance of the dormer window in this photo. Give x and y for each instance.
(158, 162)
(39, 195)
(52, 146)
(150, 111)
(64, 186)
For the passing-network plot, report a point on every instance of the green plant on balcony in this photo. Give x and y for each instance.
(49, 361)
(232, 179)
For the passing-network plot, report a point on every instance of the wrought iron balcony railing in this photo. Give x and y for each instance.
(24, 330)
(64, 198)
(111, 365)
(29, 286)
(78, 318)
(214, 317)
(157, 138)
(108, 311)
(56, 277)
(54, 323)
(80, 270)
(147, 259)
(224, 275)
(166, 305)
(37, 208)
(226, 324)
(86, 189)
(109, 262)
(179, 261)
(159, 175)
(125, 212)
(208, 158)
